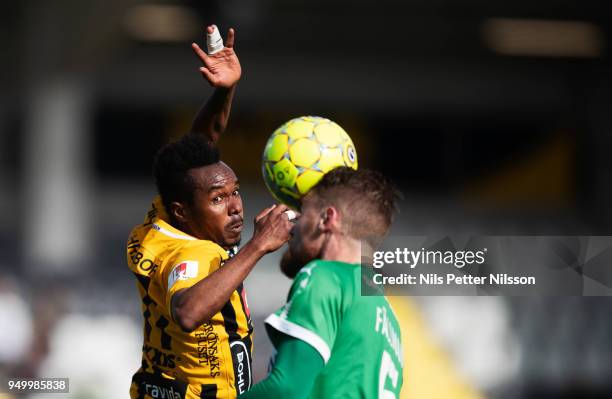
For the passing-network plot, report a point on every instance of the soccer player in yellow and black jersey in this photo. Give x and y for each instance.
(197, 327)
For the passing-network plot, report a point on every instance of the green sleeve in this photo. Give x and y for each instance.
(296, 367)
(313, 311)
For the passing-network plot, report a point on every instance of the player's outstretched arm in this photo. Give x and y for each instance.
(193, 306)
(296, 366)
(221, 69)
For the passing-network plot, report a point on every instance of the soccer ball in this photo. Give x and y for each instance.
(300, 152)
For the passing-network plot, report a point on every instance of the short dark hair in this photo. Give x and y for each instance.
(366, 199)
(173, 162)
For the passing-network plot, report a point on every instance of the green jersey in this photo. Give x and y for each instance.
(357, 336)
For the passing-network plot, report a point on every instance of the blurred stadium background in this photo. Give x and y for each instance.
(493, 117)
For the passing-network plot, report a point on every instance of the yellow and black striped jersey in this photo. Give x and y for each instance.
(213, 361)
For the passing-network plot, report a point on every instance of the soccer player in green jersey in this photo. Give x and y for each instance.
(330, 341)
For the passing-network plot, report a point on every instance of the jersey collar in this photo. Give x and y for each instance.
(168, 230)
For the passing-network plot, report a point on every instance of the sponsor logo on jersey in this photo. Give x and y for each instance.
(159, 358)
(208, 352)
(156, 391)
(183, 271)
(157, 387)
(136, 257)
(242, 366)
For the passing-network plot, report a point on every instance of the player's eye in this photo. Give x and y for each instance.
(236, 193)
(217, 199)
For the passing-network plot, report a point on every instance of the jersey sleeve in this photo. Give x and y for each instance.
(313, 310)
(187, 267)
(295, 369)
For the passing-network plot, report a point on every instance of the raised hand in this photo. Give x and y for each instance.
(272, 228)
(221, 69)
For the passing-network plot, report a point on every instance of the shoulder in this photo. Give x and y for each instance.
(317, 270)
(199, 250)
(189, 263)
(168, 246)
(320, 280)
(325, 273)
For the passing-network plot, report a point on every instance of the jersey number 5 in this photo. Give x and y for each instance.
(387, 370)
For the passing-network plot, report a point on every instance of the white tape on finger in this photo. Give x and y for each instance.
(291, 214)
(214, 41)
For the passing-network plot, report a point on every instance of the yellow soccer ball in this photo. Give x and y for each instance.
(300, 152)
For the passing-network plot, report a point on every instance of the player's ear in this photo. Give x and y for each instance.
(178, 212)
(330, 219)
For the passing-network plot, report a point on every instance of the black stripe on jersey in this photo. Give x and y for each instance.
(230, 322)
(141, 392)
(166, 339)
(147, 326)
(157, 371)
(209, 391)
(247, 339)
(249, 344)
(244, 309)
(143, 280)
(145, 364)
(146, 300)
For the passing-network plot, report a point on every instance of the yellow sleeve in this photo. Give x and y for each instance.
(189, 266)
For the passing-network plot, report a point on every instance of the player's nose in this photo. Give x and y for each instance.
(235, 206)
